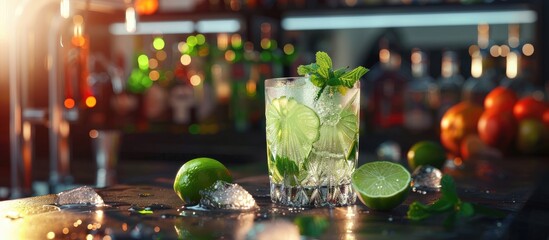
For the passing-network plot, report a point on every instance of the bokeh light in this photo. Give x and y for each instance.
(495, 51)
(143, 62)
(265, 43)
(192, 41)
(93, 134)
(161, 55)
(154, 75)
(528, 49)
(289, 49)
(158, 43)
(153, 63)
(69, 103)
(230, 55)
(185, 59)
(195, 80)
(183, 47)
(91, 101)
(236, 41)
(200, 39)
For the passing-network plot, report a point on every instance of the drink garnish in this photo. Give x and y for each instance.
(450, 205)
(322, 74)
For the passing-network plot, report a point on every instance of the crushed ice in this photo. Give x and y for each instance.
(79, 196)
(426, 179)
(223, 195)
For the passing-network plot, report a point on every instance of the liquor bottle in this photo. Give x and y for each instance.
(417, 114)
(388, 89)
(482, 77)
(515, 77)
(449, 83)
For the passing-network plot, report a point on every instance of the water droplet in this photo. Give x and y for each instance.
(390, 219)
(487, 191)
(499, 224)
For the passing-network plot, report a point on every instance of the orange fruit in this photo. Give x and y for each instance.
(497, 128)
(459, 121)
(500, 98)
(529, 107)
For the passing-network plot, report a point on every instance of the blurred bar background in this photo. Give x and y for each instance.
(182, 79)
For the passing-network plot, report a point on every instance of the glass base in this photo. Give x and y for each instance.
(320, 196)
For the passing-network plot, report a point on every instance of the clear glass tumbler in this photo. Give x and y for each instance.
(312, 142)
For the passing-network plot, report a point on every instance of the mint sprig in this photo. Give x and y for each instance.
(451, 205)
(322, 74)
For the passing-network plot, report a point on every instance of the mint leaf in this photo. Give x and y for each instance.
(307, 69)
(350, 78)
(442, 205)
(287, 169)
(323, 60)
(339, 72)
(417, 211)
(322, 74)
(317, 80)
(448, 189)
(450, 204)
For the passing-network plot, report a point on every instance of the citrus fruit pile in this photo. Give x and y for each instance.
(506, 123)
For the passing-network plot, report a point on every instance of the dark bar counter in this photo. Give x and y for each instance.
(515, 186)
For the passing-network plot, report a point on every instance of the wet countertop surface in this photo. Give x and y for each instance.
(153, 211)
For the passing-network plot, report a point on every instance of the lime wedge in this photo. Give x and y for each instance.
(292, 128)
(381, 185)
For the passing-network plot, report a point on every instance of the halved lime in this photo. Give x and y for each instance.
(292, 128)
(381, 185)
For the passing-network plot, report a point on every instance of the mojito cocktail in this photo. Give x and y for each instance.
(312, 141)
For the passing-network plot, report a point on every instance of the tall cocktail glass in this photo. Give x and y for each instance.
(312, 142)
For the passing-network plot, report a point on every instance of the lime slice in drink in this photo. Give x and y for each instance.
(291, 128)
(381, 185)
(338, 132)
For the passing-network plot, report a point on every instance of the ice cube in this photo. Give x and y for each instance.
(389, 151)
(223, 195)
(79, 196)
(274, 230)
(426, 179)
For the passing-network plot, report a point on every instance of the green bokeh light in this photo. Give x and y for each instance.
(158, 43)
(200, 39)
(192, 41)
(143, 62)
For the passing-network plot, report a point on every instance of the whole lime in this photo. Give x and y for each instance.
(426, 153)
(532, 137)
(198, 174)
